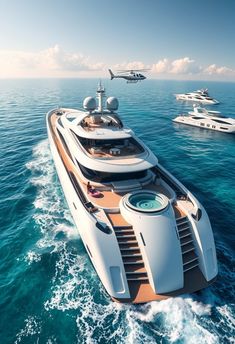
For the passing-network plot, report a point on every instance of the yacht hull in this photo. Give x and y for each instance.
(221, 128)
(195, 100)
(106, 251)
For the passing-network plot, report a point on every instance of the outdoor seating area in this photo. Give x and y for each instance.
(97, 121)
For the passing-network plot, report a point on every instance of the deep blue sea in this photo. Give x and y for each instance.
(49, 292)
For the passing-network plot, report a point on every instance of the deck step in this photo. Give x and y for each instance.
(190, 261)
(182, 224)
(122, 227)
(132, 255)
(181, 229)
(186, 249)
(184, 235)
(128, 244)
(190, 266)
(133, 262)
(137, 278)
(181, 234)
(135, 269)
(129, 249)
(181, 219)
(186, 241)
(189, 257)
(126, 237)
(133, 259)
(124, 233)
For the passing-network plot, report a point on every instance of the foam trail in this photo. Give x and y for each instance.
(51, 212)
(31, 329)
(76, 287)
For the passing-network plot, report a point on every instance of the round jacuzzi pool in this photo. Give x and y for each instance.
(147, 201)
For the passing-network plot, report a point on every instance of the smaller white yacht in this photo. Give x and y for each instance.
(203, 118)
(201, 96)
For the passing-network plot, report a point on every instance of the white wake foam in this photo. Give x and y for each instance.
(51, 212)
(32, 328)
(75, 286)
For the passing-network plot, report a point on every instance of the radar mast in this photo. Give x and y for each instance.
(100, 96)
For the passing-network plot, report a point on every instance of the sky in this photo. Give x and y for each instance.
(174, 39)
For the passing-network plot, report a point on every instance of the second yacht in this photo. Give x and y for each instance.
(207, 119)
(200, 96)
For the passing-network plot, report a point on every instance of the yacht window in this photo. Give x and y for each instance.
(128, 146)
(60, 122)
(222, 122)
(213, 126)
(107, 177)
(202, 124)
(208, 125)
(194, 117)
(70, 118)
(223, 128)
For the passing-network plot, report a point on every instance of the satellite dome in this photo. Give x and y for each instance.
(112, 103)
(89, 103)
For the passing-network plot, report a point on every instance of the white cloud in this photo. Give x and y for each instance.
(214, 69)
(184, 66)
(53, 61)
(162, 66)
(130, 65)
(180, 66)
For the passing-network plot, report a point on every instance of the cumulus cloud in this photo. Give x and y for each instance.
(162, 66)
(53, 61)
(183, 65)
(131, 65)
(214, 69)
(56, 62)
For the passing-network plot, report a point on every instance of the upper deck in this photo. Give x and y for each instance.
(103, 135)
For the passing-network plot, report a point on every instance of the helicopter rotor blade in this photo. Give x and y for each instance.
(133, 70)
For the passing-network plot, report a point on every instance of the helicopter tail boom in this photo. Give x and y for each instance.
(111, 74)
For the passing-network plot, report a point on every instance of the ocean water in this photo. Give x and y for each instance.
(49, 292)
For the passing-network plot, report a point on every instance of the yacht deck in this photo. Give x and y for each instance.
(89, 125)
(141, 291)
(111, 199)
(107, 151)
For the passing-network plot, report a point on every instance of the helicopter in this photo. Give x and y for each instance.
(131, 75)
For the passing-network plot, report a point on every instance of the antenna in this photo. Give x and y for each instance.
(100, 96)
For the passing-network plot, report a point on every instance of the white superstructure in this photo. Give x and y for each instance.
(201, 96)
(146, 234)
(207, 119)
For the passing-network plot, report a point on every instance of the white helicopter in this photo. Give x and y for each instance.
(131, 75)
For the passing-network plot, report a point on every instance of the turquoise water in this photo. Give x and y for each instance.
(146, 201)
(49, 292)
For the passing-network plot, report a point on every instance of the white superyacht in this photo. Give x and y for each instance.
(201, 96)
(147, 236)
(207, 119)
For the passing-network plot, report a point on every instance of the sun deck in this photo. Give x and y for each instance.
(91, 123)
(111, 198)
